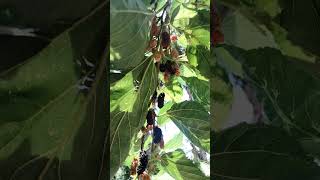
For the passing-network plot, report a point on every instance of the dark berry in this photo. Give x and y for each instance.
(154, 96)
(162, 67)
(161, 100)
(171, 67)
(157, 135)
(181, 50)
(165, 40)
(150, 117)
(143, 162)
(155, 30)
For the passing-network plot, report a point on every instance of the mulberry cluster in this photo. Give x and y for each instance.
(163, 44)
(169, 68)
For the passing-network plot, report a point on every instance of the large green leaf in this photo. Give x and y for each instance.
(181, 14)
(258, 152)
(44, 114)
(288, 90)
(200, 90)
(193, 121)
(16, 49)
(200, 63)
(128, 107)
(129, 33)
(180, 167)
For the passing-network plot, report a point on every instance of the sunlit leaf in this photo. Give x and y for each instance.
(129, 107)
(174, 143)
(129, 31)
(193, 120)
(180, 167)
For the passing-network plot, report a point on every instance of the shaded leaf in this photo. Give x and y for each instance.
(44, 114)
(238, 153)
(31, 88)
(289, 91)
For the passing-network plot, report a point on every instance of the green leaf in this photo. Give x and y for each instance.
(43, 112)
(193, 121)
(129, 31)
(163, 118)
(180, 167)
(24, 48)
(201, 20)
(43, 83)
(272, 7)
(296, 20)
(311, 146)
(181, 15)
(191, 54)
(256, 152)
(204, 60)
(129, 108)
(287, 47)
(187, 71)
(290, 95)
(199, 36)
(175, 143)
(289, 34)
(173, 90)
(200, 91)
